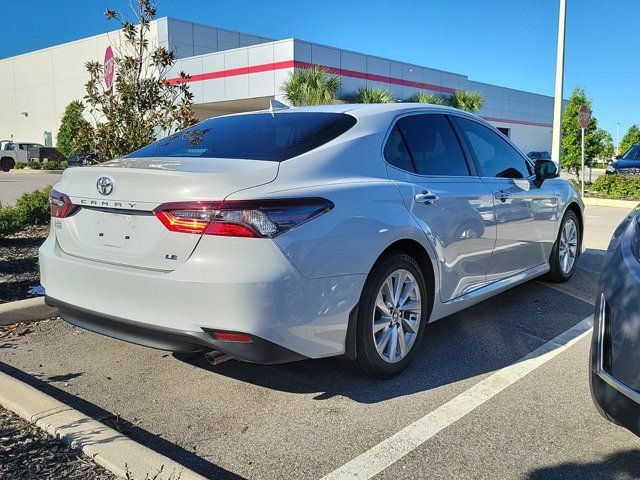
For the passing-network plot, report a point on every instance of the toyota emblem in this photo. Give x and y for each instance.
(105, 185)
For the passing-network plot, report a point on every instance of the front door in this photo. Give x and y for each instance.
(450, 203)
(526, 215)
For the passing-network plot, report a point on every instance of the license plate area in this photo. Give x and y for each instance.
(115, 230)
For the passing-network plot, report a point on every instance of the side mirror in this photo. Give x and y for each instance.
(544, 169)
(617, 157)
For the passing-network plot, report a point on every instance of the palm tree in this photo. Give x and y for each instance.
(371, 95)
(311, 86)
(422, 97)
(466, 100)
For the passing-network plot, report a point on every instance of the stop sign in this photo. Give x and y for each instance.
(584, 116)
(109, 68)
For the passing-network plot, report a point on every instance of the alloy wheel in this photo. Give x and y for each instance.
(397, 315)
(568, 249)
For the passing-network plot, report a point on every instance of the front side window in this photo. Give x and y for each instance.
(256, 136)
(496, 158)
(432, 145)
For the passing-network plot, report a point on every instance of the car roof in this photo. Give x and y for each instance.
(363, 110)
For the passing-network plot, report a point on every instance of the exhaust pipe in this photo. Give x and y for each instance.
(216, 358)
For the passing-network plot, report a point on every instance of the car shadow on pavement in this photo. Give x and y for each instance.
(617, 465)
(479, 340)
(140, 435)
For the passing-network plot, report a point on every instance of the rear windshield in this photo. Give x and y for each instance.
(256, 136)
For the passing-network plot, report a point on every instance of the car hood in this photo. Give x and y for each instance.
(626, 163)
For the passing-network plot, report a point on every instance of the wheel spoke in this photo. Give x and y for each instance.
(402, 341)
(384, 340)
(412, 306)
(410, 325)
(382, 306)
(406, 292)
(380, 324)
(393, 343)
(402, 275)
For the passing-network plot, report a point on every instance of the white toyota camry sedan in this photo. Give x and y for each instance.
(298, 233)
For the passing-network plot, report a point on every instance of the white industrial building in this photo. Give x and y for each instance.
(232, 72)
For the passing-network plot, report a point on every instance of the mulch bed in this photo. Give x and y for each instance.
(19, 262)
(29, 453)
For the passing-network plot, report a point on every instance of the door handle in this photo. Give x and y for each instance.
(426, 197)
(502, 196)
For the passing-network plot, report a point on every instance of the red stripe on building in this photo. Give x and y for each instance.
(378, 78)
(269, 67)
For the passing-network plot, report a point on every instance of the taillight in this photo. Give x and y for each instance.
(60, 204)
(250, 218)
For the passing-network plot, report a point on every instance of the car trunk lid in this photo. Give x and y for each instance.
(121, 228)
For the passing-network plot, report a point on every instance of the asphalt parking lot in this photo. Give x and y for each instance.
(310, 419)
(15, 183)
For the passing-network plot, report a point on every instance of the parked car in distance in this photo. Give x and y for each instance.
(615, 346)
(629, 163)
(281, 235)
(83, 159)
(12, 153)
(539, 156)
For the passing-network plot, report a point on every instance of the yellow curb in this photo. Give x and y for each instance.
(107, 447)
(607, 202)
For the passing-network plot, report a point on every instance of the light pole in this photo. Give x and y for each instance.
(557, 105)
(617, 138)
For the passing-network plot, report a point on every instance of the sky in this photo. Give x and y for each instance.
(505, 42)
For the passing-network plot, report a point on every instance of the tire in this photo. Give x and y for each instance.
(7, 164)
(559, 273)
(409, 322)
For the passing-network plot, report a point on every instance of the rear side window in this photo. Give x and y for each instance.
(396, 153)
(432, 145)
(256, 136)
(496, 157)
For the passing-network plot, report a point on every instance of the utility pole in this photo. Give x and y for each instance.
(557, 106)
(617, 138)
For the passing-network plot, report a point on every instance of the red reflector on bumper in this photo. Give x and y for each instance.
(230, 336)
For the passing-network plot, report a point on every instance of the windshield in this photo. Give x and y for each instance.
(257, 136)
(632, 154)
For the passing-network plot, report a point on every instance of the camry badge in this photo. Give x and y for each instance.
(105, 185)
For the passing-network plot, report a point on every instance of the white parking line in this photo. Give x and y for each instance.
(389, 451)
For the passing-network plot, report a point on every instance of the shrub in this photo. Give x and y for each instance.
(311, 86)
(422, 97)
(371, 95)
(34, 207)
(10, 220)
(466, 100)
(617, 186)
(49, 165)
(30, 209)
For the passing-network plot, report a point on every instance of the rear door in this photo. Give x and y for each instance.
(527, 216)
(446, 197)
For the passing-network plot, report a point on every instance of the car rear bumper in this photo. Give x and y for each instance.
(253, 290)
(615, 346)
(258, 350)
